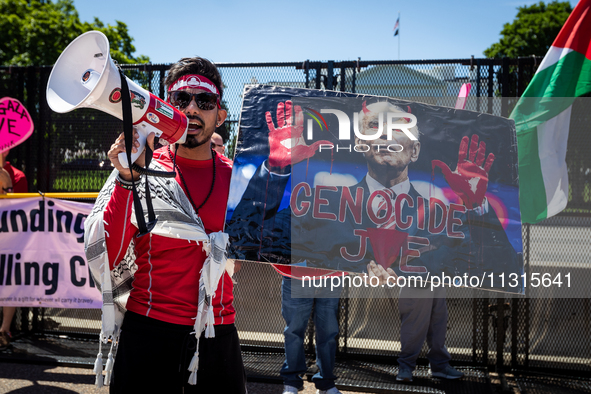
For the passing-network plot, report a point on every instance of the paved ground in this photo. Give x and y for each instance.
(42, 379)
(21, 378)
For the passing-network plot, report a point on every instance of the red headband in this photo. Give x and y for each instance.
(193, 81)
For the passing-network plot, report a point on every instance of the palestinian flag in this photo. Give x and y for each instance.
(542, 117)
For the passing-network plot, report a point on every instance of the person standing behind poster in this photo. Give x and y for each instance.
(12, 180)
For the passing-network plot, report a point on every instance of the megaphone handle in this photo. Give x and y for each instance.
(142, 140)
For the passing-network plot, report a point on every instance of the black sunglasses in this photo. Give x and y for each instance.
(7, 189)
(205, 101)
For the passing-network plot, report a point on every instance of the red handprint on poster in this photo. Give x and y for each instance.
(286, 142)
(470, 179)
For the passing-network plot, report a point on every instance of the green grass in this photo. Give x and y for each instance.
(586, 200)
(80, 181)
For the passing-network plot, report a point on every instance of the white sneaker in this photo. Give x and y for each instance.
(333, 390)
(287, 389)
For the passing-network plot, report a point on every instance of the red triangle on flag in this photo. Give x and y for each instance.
(576, 32)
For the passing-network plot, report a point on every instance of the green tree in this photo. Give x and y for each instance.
(532, 31)
(35, 32)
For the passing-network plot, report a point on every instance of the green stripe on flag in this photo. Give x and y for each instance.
(532, 193)
(568, 77)
(552, 91)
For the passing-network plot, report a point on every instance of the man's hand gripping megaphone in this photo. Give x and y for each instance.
(118, 147)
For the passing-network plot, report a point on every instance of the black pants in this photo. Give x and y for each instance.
(153, 357)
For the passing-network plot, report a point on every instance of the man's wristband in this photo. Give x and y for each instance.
(127, 185)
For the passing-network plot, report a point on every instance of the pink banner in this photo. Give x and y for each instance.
(42, 260)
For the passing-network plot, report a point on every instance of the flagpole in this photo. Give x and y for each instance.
(397, 32)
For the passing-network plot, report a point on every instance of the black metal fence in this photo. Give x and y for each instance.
(67, 152)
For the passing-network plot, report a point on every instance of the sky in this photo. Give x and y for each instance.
(234, 31)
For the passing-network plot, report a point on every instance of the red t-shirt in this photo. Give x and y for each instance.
(19, 181)
(166, 284)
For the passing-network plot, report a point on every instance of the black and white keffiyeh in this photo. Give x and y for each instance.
(176, 219)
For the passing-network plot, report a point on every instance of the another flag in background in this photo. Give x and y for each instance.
(396, 26)
(542, 117)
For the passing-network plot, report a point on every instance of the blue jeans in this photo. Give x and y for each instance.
(296, 312)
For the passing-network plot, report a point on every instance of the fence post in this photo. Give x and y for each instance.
(307, 71)
(355, 69)
(161, 71)
(474, 325)
(514, 326)
(500, 333)
(526, 249)
(150, 76)
(41, 128)
(505, 88)
(25, 320)
(485, 320)
(491, 77)
(343, 319)
(318, 74)
(478, 94)
(329, 76)
(520, 77)
(33, 89)
(485, 300)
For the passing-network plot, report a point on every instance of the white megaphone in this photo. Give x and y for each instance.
(84, 76)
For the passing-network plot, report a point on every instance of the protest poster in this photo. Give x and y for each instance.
(15, 123)
(42, 261)
(336, 180)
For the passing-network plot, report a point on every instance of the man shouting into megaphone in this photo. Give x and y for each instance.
(178, 332)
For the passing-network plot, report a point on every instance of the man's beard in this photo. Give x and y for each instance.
(192, 142)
